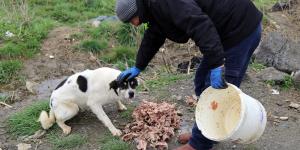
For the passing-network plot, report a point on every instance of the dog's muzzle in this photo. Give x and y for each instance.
(131, 94)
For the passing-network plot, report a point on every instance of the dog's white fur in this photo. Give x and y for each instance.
(68, 99)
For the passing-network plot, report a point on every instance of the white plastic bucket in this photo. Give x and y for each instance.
(230, 115)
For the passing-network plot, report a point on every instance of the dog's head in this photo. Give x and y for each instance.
(125, 88)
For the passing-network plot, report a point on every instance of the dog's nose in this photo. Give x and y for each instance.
(131, 94)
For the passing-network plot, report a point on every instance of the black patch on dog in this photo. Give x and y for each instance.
(133, 83)
(82, 83)
(114, 85)
(61, 84)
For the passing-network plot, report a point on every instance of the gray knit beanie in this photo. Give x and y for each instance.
(126, 9)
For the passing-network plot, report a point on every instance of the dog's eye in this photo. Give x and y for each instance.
(133, 84)
(124, 85)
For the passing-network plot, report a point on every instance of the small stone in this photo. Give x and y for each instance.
(96, 23)
(9, 34)
(178, 97)
(284, 118)
(23, 146)
(294, 105)
(296, 79)
(271, 74)
(51, 56)
(234, 146)
(275, 117)
(275, 92)
(31, 86)
(280, 103)
(276, 120)
(179, 113)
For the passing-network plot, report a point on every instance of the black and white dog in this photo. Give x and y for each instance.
(88, 89)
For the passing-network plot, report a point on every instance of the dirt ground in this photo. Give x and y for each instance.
(48, 72)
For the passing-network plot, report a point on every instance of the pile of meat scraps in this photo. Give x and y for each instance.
(154, 124)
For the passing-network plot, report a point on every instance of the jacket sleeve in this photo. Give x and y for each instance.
(189, 17)
(152, 41)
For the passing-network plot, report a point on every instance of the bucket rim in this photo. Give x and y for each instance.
(242, 113)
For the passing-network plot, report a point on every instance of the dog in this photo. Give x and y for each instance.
(88, 89)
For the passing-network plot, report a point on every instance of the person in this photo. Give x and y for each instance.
(226, 31)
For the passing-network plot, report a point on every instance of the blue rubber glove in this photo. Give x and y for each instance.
(129, 73)
(217, 80)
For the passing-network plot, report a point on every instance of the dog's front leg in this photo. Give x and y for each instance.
(98, 110)
(121, 106)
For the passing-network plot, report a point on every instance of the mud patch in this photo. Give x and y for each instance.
(57, 57)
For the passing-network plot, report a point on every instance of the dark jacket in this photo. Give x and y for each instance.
(214, 25)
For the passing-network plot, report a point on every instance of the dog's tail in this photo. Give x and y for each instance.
(47, 121)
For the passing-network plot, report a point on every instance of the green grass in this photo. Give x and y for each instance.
(119, 56)
(127, 114)
(106, 29)
(25, 122)
(264, 6)
(257, 66)
(270, 82)
(94, 46)
(66, 142)
(3, 98)
(109, 142)
(123, 34)
(67, 11)
(31, 20)
(27, 39)
(9, 70)
(165, 79)
(129, 35)
(287, 83)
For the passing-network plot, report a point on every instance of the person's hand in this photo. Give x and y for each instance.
(217, 80)
(129, 73)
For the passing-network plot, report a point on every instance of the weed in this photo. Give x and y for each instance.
(270, 82)
(106, 29)
(251, 147)
(164, 79)
(72, 11)
(11, 50)
(125, 34)
(25, 122)
(109, 142)
(93, 45)
(128, 113)
(3, 98)
(9, 70)
(264, 5)
(287, 83)
(122, 54)
(77, 36)
(257, 66)
(68, 142)
(27, 40)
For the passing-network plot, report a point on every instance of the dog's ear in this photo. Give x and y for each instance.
(114, 85)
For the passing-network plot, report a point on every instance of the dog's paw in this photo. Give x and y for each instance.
(122, 108)
(117, 132)
(67, 130)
